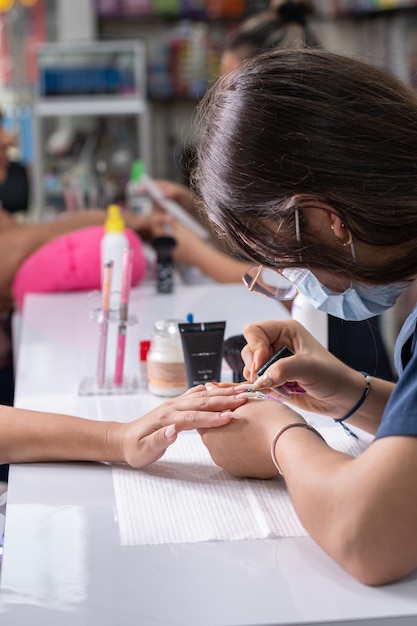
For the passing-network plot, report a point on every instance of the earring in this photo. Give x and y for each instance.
(342, 243)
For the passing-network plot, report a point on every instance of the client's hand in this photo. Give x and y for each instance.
(145, 440)
(150, 225)
(243, 447)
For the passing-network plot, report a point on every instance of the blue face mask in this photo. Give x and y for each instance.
(357, 303)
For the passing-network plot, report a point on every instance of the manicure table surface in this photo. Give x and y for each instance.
(63, 562)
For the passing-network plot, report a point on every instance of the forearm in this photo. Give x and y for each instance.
(361, 510)
(35, 235)
(7, 221)
(31, 436)
(19, 243)
(221, 267)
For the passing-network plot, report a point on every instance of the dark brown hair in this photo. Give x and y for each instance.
(293, 128)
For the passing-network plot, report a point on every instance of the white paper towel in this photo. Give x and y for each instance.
(186, 498)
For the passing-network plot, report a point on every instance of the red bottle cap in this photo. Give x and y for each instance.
(144, 347)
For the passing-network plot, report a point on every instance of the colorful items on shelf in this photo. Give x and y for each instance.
(195, 9)
(347, 7)
(223, 9)
(185, 60)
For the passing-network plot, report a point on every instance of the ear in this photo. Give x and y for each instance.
(337, 226)
(321, 218)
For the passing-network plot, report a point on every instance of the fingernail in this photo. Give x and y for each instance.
(230, 414)
(293, 388)
(281, 392)
(244, 387)
(170, 431)
(253, 395)
(263, 381)
(211, 385)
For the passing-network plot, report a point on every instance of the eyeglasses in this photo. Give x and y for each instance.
(269, 283)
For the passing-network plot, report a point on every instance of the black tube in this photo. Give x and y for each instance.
(202, 345)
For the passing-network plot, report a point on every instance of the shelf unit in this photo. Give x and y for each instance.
(89, 84)
(381, 32)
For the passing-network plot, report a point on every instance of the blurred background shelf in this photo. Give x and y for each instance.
(91, 119)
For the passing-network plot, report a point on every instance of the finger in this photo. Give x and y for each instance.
(255, 392)
(170, 433)
(211, 401)
(274, 379)
(211, 389)
(215, 387)
(257, 350)
(194, 420)
(293, 387)
(275, 334)
(153, 446)
(199, 404)
(289, 375)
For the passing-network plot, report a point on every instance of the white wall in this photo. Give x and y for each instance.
(75, 20)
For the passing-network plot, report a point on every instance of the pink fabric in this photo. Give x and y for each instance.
(71, 262)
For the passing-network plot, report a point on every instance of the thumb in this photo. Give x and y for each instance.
(170, 434)
(155, 445)
(163, 438)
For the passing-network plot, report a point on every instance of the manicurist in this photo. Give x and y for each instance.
(307, 164)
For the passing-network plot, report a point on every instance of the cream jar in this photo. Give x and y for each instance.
(165, 362)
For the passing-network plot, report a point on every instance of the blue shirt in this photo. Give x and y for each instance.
(400, 415)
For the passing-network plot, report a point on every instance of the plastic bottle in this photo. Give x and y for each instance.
(137, 200)
(113, 243)
(316, 322)
(170, 206)
(144, 347)
(165, 361)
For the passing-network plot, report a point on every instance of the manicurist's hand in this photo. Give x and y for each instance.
(145, 440)
(331, 387)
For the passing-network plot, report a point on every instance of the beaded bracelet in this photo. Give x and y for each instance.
(368, 381)
(282, 430)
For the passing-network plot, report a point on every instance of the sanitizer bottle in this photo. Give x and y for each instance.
(113, 244)
(316, 322)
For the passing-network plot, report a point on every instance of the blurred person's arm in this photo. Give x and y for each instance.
(19, 241)
(180, 193)
(7, 221)
(192, 250)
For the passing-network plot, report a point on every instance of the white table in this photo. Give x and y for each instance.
(63, 563)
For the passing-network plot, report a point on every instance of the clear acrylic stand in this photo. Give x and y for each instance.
(3, 502)
(101, 369)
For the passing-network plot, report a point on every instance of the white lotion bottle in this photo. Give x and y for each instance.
(113, 244)
(316, 322)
